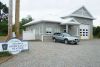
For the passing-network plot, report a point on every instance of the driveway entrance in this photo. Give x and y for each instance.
(50, 54)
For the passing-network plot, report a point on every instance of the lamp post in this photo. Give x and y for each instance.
(10, 19)
(17, 24)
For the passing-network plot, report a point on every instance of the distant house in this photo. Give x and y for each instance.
(79, 23)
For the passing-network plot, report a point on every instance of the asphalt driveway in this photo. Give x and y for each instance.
(49, 54)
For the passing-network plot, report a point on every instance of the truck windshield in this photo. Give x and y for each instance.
(65, 34)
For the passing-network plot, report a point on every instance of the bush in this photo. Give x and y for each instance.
(3, 34)
(4, 54)
(96, 32)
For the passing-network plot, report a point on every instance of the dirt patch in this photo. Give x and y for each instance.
(4, 59)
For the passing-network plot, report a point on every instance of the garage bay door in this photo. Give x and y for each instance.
(29, 35)
(84, 31)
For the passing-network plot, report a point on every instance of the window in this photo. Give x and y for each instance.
(86, 33)
(48, 30)
(83, 34)
(86, 29)
(83, 29)
(65, 34)
(57, 33)
(80, 34)
(64, 30)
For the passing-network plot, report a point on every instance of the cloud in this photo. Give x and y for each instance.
(38, 8)
(97, 21)
(43, 4)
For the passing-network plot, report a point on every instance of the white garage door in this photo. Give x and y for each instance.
(29, 35)
(84, 31)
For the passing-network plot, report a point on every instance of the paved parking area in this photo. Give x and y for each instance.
(49, 54)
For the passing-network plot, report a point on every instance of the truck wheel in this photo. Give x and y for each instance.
(54, 40)
(66, 41)
(76, 43)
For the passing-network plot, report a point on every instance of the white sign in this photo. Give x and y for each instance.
(25, 45)
(15, 46)
(1, 48)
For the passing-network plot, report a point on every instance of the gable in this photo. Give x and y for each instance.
(82, 12)
(70, 21)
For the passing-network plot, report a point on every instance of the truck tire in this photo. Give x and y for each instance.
(76, 43)
(66, 41)
(54, 39)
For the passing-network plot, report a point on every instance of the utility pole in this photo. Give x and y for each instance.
(17, 24)
(10, 19)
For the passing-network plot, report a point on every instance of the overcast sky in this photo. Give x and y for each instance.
(39, 8)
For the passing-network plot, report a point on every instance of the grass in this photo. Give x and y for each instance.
(5, 56)
(3, 34)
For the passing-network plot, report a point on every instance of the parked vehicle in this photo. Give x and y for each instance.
(65, 37)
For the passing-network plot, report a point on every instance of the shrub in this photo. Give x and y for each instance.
(96, 32)
(4, 54)
(3, 34)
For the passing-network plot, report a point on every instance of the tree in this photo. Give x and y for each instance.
(24, 21)
(17, 24)
(96, 31)
(3, 19)
(3, 11)
(10, 19)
